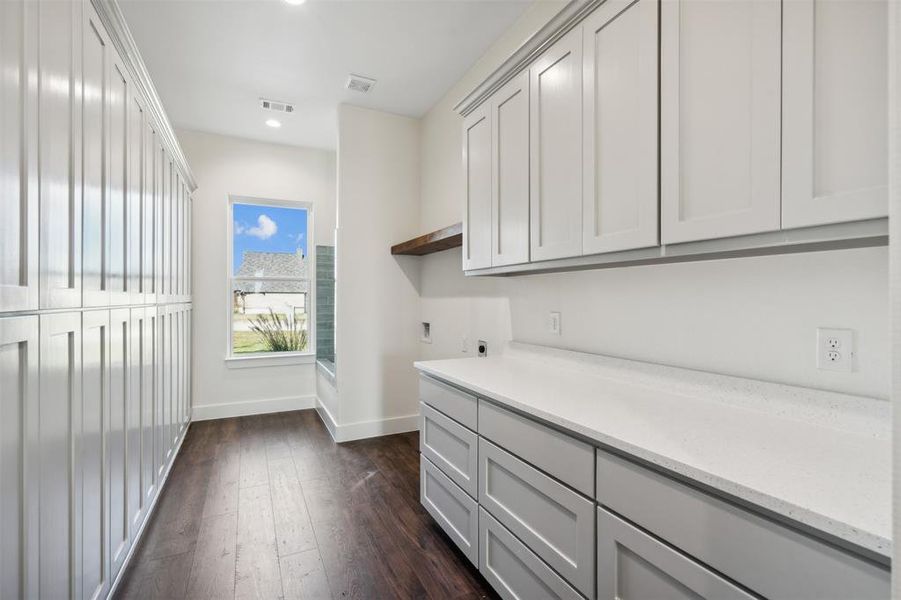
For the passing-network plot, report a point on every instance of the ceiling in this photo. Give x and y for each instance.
(211, 61)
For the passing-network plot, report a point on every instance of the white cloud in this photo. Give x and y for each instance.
(239, 228)
(297, 238)
(264, 229)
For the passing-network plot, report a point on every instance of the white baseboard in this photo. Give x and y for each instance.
(365, 429)
(205, 412)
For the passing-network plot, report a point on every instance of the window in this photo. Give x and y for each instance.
(269, 278)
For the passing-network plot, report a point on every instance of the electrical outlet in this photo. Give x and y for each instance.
(554, 323)
(465, 344)
(426, 335)
(835, 349)
(483, 348)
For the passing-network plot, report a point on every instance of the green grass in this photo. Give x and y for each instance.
(245, 342)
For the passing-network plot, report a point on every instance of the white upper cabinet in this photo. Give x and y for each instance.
(134, 204)
(835, 90)
(556, 150)
(510, 173)
(60, 150)
(720, 113)
(18, 162)
(95, 253)
(117, 181)
(477, 202)
(620, 127)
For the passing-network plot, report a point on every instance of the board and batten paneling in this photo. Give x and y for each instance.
(18, 159)
(835, 90)
(555, 202)
(59, 148)
(510, 173)
(477, 201)
(619, 104)
(720, 118)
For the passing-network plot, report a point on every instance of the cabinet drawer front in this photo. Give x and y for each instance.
(455, 512)
(771, 559)
(451, 447)
(512, 569)
(632, 564)
(453, 402)
(554, 522)
(564, 457)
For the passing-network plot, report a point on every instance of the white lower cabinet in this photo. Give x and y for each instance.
(450, 445)
(632, 564)
(644, 535)
(514, 571)
(451, 507)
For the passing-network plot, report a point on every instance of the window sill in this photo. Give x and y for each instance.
(262, 360)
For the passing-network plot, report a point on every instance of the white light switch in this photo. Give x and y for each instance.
(554, 323)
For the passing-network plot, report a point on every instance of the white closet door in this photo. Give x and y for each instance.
(59, 152)
(134, 205)
(117, 181)
(116, 441)
(95, 254)
(58, 418)
(150, 405)
(92, 460)
(134, 431)
(556, 150)
(18, 403)
(18, 159)
(720, 113)
(620, 127)
(835, 113)
(477, 200)
(510, 172)
(151, 222)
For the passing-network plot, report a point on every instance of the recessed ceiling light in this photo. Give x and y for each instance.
(295, 2)
(273, 123)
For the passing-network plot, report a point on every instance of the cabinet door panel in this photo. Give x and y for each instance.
(117, 142)
(835, 89)
(61, 184)
(164, 395)
(556, 150)
(510, 173)
(92, 463)
(18, 162)
(150, 422)
(620, 127)
(120, 328)
(135, 411)
(135, 201)
(632, 564)
(58, 414)
(151, 221)
(95, 259)
(477, 171)
(720, 118)
(19, 382)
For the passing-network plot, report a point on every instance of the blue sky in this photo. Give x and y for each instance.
(267, 229)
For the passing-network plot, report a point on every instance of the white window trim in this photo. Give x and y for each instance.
(269, 359)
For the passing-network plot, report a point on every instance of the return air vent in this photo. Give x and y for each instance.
(276, 106)
(361, 84)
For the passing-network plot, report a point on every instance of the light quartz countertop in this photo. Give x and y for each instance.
(819, 459)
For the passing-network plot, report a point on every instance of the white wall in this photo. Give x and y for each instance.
(223, 166)
(752, 317)
(377, 299)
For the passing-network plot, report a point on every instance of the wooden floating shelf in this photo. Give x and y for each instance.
(436, 241)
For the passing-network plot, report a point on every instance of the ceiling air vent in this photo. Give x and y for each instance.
(361, 84)
(276, 106)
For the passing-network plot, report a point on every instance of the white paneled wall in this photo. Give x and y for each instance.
(95, 298)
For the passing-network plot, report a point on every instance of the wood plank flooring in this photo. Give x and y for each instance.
(269, 507)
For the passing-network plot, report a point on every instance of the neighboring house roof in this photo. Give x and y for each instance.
(272, 264)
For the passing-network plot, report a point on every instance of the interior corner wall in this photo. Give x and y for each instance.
(377, 294)
(226, 165)
(749, 317)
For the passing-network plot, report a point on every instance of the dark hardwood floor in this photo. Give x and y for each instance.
(269, 507)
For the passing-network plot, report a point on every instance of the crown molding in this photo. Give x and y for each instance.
(568, 17)
(117, 29)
